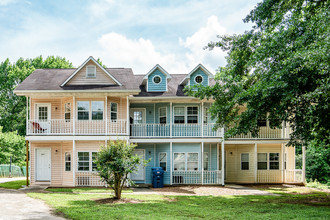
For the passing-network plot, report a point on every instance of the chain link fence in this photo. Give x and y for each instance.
(14, 171)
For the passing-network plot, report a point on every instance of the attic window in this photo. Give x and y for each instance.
(198, 79)
(91, 71)
(157, 79)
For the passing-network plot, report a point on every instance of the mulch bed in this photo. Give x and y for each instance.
(117, 201)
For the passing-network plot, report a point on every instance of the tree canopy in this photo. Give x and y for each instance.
(278, 70)
(12, 107)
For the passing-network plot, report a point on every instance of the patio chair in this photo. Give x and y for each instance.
(37, 128)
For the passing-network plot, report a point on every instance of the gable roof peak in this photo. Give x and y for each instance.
(161, 69)
(203, 68)
(91, 58)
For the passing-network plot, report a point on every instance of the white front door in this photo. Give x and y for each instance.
(138, 115)
(43, 160)
(43, 118)
(139, 174)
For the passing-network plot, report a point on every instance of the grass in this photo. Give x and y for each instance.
(13, 184)
(318, 185)
(85, 190)
(286, 206)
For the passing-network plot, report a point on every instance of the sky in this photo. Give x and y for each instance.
(122, 33)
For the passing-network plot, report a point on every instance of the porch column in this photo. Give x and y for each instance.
(74, 162)
(218, 155)
(171, 162)
(171, 119)
(255, 162)
(202, 117)
(283, 168)
(223, 158)
(106, 115)
(202, 159)
(154, 155)
(128, 123)
(303, 164)
(74, 115)
(27, 115)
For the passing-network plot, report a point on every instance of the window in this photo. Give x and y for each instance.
(198, 79)
(43, 113)
(162, 115)
(179, 115)
(67, 111)
(192, 115)
(138, 116)
(206, 115)
(274, 159)
(285, 158)
(262, 161)
(67, 161)
(83, 110)
(245, 161)
(94, 155)
(114, 111)
(206, 160)
(91, 71)
(192, 161)
(157, 79)
(97, 110)
(83, 161)
(179, 161)
(163, 160)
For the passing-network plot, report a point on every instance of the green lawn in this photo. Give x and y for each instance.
(13, 184)
(286, 206)
(86, 190)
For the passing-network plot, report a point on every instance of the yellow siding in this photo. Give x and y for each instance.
(67, 179)
(122, 107)
(101, 77)
(55, 107)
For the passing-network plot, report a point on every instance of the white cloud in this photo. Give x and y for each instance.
(196, 43)
(100, 8)
(139, 54)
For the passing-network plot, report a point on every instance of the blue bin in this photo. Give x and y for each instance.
(157, 177)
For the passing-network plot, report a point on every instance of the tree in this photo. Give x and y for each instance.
(114, 164)
(12, 145)
(278, 70)
(12, 107)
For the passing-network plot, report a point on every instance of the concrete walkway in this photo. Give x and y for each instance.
(17, 205)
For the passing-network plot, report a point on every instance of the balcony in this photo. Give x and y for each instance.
(71, 127)
(176, 130)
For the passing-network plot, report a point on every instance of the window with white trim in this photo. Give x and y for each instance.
(179, 161)
(274, 161)
(67, 111)
(83, 110)
(206, 160)
(83, 161)
(94, 155)
(262, 161)
(192, 161)
(192, 115)
(162, 115)
(285, 158)
(67, 160)
(91, 71)
(163, 160)
(113, 111)
(179, 116)
(206, 115)
(157, 79)
(245, 161)
(198, 79)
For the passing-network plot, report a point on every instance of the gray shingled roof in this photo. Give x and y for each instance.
(51, 79)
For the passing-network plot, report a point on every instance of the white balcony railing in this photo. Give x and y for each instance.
(196, 177)
(265, 133)
(88, 179)
(78, 127)
(294, 176)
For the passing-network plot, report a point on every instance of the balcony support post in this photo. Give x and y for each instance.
(303, 164)
(74, 115)
(106, 115)
(283, 158)
(27, 115)
(255, 162)
(171, 163)
(171, 120)
(128, 118)
(74, 162)
(223, 158)
(202, 161)
(202, 117)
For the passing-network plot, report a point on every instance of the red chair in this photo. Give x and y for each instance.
(37, 128)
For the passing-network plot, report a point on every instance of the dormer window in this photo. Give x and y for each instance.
(198, 79)
(91, 71)
(157, 79)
